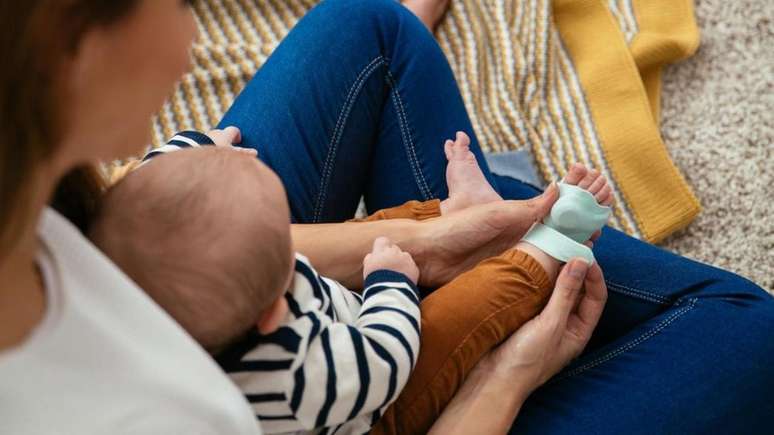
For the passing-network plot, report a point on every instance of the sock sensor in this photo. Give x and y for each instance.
(575, 216)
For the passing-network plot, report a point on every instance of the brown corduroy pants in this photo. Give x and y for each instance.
(461, 322)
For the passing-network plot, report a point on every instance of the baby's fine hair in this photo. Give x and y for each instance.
(205, 232)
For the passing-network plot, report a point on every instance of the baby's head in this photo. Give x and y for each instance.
(206, 233)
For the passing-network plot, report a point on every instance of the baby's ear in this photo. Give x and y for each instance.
(272, 316)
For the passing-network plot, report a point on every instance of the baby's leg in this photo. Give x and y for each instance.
(414, 210)
(464, 179)
(461, 322)
(466, 318)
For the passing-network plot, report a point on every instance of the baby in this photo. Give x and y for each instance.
(205, 232)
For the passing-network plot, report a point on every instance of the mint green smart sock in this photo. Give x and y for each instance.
(575, 216)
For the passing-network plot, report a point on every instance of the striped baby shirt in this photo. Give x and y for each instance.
(183, 139)
(339, 358)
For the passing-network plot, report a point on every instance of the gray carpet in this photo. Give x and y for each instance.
(718, 123)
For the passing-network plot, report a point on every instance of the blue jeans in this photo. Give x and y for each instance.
(357, 101)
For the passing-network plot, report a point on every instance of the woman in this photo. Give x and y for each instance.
(82, 350)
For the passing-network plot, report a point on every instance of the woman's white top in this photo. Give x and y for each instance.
(107, 360)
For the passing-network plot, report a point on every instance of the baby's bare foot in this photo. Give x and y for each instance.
(467, 184)
(596, 184)
(429, 12)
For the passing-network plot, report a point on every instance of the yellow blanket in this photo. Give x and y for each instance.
(571, 80)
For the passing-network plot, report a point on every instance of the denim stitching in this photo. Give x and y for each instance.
(630, 345)
(408, 141)
(649, 296)
(349, 102)
(640, 294)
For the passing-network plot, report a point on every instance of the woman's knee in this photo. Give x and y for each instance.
(364, 8)
(386, 17)
(741, 289)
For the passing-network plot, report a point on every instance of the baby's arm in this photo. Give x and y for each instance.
(194, 139)
(351, 362)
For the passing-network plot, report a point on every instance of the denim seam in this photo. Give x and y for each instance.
(630, 345)
(650, 297)
(408, 141)
(640, 294)
(349, 102)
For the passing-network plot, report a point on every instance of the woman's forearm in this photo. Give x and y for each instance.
(337, 250)
(487, 403)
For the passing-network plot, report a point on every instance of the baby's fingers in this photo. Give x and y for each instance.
(381, 244)
(226, 137)
(248, 151)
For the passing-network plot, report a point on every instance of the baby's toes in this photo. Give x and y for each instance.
(605, 195)
(575, 174)
(597, 185)
(462, 140)
(590, 177)
(448, 149)
(461, 146)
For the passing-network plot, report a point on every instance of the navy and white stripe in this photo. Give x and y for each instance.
(183, 139)
(349, 358)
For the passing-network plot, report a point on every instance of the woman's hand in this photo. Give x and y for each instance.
(442, 247)
(492, 395)
(547, 343)
(460, 240)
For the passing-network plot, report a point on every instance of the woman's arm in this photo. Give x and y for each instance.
(487, 403)
(442, 247)
(337, 250)
(492, 396)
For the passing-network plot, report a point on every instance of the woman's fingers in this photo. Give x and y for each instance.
(565, 294)
(541, 205)
(583, 321)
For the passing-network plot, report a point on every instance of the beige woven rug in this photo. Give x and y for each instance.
(718, 123)
(571, 80)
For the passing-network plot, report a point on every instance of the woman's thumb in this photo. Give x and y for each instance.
(541, 205)
(565, 293)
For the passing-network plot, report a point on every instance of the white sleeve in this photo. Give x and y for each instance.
(352, 370)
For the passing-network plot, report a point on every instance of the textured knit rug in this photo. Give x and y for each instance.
(570, 80)
(718, 124)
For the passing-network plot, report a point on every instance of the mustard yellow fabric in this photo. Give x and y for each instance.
(571, 80)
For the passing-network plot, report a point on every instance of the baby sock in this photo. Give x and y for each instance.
(575, 216)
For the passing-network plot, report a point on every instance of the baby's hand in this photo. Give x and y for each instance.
(228, 137)
(387, 255)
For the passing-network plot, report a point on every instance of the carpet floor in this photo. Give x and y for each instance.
(718, 123)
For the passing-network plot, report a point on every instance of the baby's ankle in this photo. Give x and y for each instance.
(550, 265)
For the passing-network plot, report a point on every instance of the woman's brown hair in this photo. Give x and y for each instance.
(35, 38)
